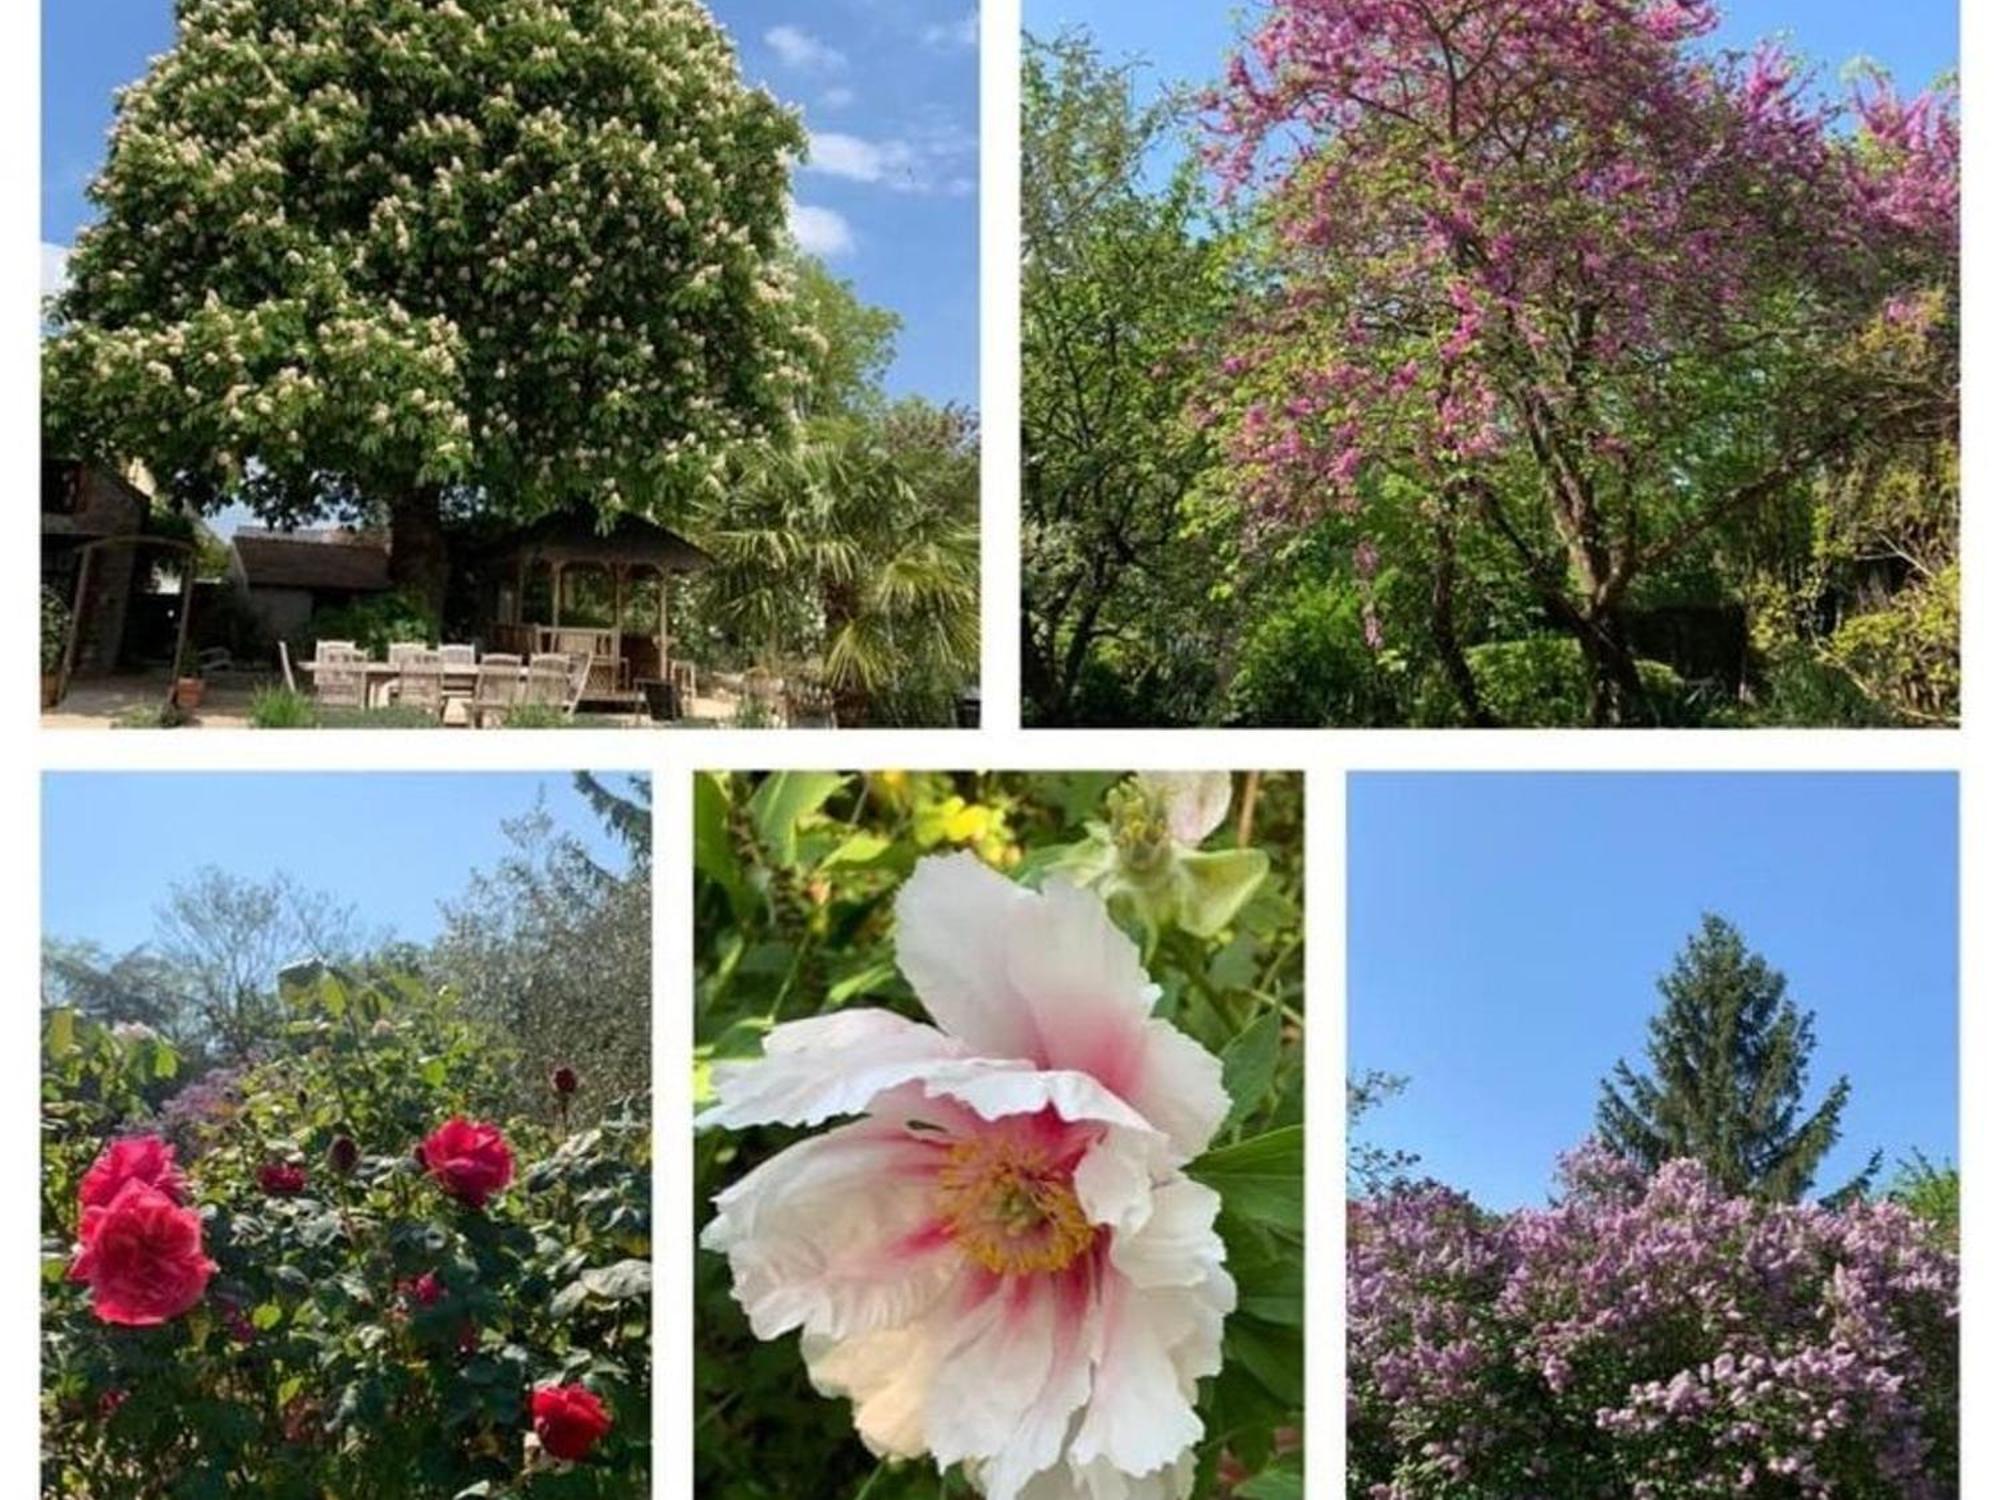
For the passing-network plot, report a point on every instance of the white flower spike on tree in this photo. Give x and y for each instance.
(1001, 1262)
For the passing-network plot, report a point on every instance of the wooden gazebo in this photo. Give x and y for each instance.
(564, 585)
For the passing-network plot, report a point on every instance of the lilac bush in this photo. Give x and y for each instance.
(1648, 1337)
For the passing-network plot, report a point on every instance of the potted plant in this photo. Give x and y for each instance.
(55, 645)
(189, 687)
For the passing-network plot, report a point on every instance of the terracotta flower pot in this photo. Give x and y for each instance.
(188, 692)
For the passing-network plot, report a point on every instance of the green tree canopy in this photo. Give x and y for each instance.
(1123, 283)
(1728, 1052)
(394, 257)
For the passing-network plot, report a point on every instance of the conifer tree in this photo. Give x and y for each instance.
(1728, 1054)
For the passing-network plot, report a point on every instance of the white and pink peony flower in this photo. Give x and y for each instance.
(1001, 1262)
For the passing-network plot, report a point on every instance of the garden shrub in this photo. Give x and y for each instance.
(1542, 682)
(1308, 663)
(282, 708)
(374, 622)
(376, 1321)
(1649, 1337)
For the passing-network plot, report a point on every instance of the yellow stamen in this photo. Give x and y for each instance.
(1010, 1208)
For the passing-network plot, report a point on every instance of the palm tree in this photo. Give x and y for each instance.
(857, 547)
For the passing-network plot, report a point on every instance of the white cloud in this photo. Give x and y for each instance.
(839, 155)
(821, 231)
(55, 268)
(954, 35)
(800, 49)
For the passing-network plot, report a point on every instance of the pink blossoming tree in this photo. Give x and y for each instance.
(1557, 274)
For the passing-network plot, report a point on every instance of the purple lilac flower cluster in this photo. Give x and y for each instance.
(1650, 1337)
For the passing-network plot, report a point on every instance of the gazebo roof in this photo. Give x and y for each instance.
(575, 537)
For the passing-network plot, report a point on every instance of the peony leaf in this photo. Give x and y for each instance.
(1261, 1179)
(1249, 1063)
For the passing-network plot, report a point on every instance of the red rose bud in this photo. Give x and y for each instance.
(468, 1159)
(427, 1289)
(282, 1179)
(343, 1154)
(142, 1258)
(570, 1421)
(563, 1080)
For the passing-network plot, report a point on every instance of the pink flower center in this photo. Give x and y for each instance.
(1011, 1206)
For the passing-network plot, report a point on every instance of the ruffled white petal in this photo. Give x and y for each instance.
(816, 1069)
(955, 922)
(1079, 981)
(1160, 1332)
(1014, 1373)
(836, 1235)
(1177, 1245)
(887, 1376)
(1179, 1088)
(1195, 802)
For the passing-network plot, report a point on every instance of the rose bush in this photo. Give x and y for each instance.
(1651, 1337)
(1056, 1248)
(258, 1288)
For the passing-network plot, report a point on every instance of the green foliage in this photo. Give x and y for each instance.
(1124, 282)
(1729, 1052)
(55, 630)
(356, 258)
(553, 950)
(1929, 1191)
(852, 556)
(1542, 682)
(310, 1368)
(282, 708)
(375, 621)
(1306, 663)
(795, 877)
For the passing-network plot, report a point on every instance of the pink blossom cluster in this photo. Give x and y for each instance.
(1652, 1337)
(1496, 229)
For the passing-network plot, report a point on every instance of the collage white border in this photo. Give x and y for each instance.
(672, 758)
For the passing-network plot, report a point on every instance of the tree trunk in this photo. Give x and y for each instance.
(839, 603)
(1444, 629)
(419, 563)
(1617, 694)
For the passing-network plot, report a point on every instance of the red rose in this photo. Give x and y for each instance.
(570, 1421)
(469, 1159)
(142, 1257)
(563, 1081)
(282, 1178)
(343, 1154)
(427, 1289)
(139, 1158)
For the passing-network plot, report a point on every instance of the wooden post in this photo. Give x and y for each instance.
(187, 619)
(85, 557)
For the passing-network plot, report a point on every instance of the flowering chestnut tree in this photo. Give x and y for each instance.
(405, 257)
(1649, 1335)
(326, 1274)
(1552, 272)
(1032, 1208)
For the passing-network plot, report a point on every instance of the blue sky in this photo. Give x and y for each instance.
(1505, 932)
(1915, 39)
(392, 845)
(889, 88)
